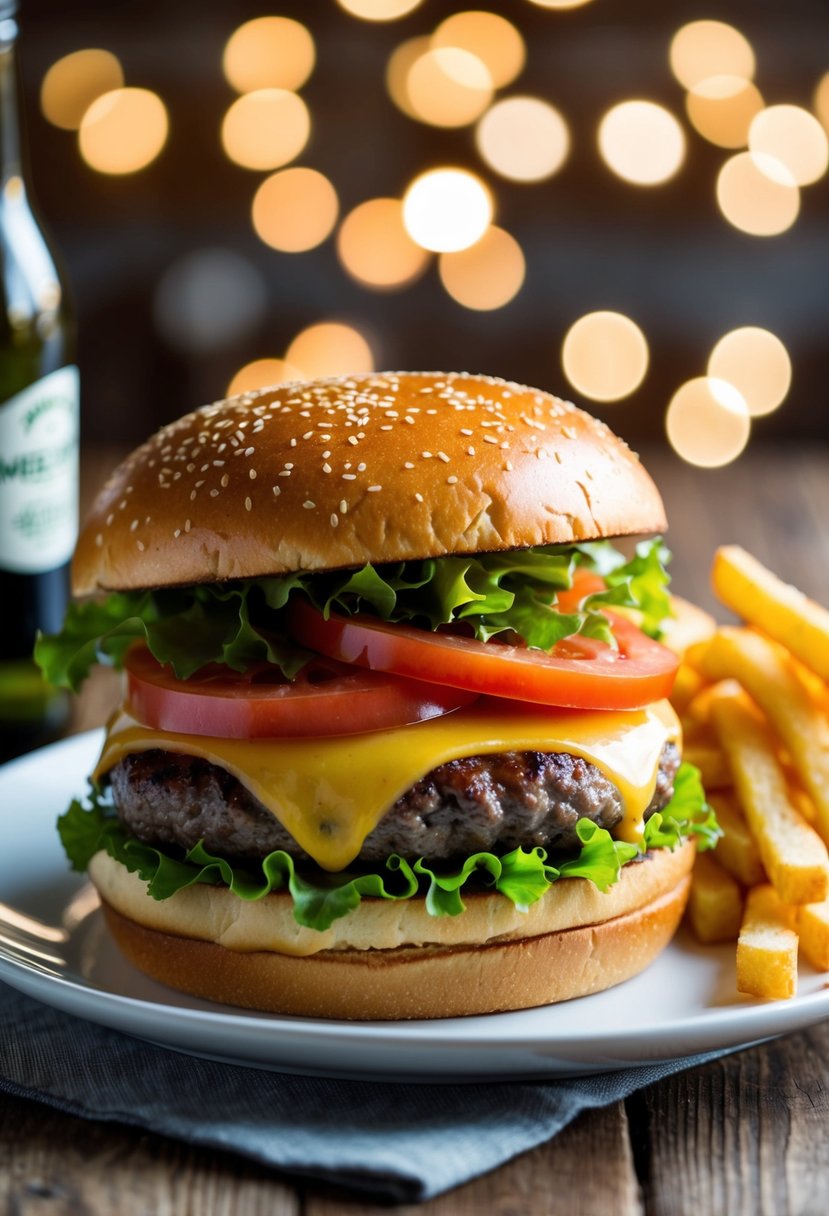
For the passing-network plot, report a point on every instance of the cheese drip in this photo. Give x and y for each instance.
(330, 793)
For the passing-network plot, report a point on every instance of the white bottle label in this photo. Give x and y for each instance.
(39, 474)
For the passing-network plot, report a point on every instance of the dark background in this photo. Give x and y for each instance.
(663, 255)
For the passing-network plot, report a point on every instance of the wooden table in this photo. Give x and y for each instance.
(747, 1134)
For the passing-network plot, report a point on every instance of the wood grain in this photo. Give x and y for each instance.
(744, 1135)
(53, 1163)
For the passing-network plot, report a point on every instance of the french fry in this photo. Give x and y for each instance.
(699, 709)
(794, 856)
(712, 763)
(746, 587)
(737, 850)
(813, 930)
(767, 947)
(687, 684)
(715, 904)
(766, 673)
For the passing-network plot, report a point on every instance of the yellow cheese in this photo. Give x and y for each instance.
(330, 793)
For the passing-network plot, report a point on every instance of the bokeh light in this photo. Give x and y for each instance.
(703, 49)
(523, 138)
(559, 3)
(795, 138)
(269, 53)
(605, 356)
(209, 299)
(295, 210)
(757, 363)
(641, 142)
(330, 349)
(821, 100)
(721, 109)
(493, 39)
(74, 82)
(262, 373)
(375, 248)
(447, 209)
(266, 129)
(487, 275)
(707, 422)
(123, 131)
(397, 71)
(448, 87)
(757, 194)
(379, 10)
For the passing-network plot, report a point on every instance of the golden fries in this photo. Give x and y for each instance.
(794, 856)
(765, 672)
(746, 587)
(688, 625)
(767, 947)
(715, 905)
(813, 930)
(737, 851)
(712, 763)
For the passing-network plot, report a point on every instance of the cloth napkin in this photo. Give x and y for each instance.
(396, 1142)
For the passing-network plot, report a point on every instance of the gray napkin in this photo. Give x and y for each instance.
(402, 1143)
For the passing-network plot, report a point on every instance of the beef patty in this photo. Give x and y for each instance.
(481, 803)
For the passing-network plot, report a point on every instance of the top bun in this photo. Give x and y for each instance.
(374, 468)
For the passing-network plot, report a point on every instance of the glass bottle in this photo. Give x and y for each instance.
(39, 412)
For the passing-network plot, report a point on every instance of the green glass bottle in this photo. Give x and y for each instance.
(38, 437)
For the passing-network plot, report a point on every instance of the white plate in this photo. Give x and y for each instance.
(55, 947)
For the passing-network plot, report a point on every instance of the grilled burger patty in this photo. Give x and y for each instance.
(481, 803)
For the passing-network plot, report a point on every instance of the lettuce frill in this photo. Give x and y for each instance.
(522, 876)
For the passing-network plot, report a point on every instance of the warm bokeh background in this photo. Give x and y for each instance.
(186, 265)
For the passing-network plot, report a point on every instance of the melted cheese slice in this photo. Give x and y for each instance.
(330, 793)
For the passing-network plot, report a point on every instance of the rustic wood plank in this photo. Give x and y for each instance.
(743, 1135)
(552, 1180)
(54, 1163)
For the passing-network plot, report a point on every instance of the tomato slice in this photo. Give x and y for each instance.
(327, 698)
(579, 672)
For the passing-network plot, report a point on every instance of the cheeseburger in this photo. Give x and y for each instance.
(394, 740)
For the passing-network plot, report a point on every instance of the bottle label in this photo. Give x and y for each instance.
(39, 474)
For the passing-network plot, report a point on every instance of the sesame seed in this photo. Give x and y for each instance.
(307, 434)
(193, 494)
(508, 466)
(426, 455)
(284, 473)
(333, 520)
(418, 497)
(490, 439)
(452, 481)
(343, 507)
(349, 476)
(353, 440)
(408, 465)
(187, 525)
(409, 420)
(288, 465)
(465, 430)
(293, 443)
(374, 489)
(225, 479)
(248, 504)
(276, 491)
(177, 533)
(326, 468)
(133, 525)
(308, 505)
(387, 428)
(252, 474)
(470, 451)
(569, 431)
(99, 540)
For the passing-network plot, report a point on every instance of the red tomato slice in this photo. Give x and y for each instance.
(578, 673)
(327, 698)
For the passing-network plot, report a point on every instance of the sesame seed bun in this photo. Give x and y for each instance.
(334, 473)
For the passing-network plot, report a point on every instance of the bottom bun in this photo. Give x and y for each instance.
(413, 981)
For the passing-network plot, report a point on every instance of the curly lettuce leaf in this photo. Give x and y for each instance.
(240, 623)
(523, 876)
